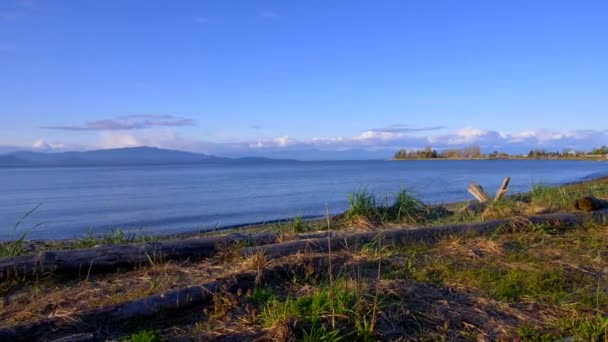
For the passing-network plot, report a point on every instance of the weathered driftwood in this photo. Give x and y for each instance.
(177, 302)
(477, 191)
(482, 197)
(81, 337)
(122, 314)
(590, 203)
(503, 188)
(109, 258)
(81, 262)
(409, 235)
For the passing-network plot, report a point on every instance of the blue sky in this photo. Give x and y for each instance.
(272, 77)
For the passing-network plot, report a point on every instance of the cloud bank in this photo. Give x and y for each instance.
(134, 130)
(384, 142)
(128, 122)
(404, 129)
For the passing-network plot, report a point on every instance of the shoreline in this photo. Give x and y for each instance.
(261, 225)
(278, 161)
(599, 159)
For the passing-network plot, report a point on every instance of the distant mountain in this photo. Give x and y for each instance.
(8, 148)
(316, 154)
(112, 157)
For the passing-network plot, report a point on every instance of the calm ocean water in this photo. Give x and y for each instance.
(171, 199)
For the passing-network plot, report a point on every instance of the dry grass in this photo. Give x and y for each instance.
(460, 288)
(49, 297)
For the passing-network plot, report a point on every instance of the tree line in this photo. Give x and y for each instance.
(474, 151)
(429, 153)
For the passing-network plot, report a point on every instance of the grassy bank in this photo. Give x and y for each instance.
(532, 283)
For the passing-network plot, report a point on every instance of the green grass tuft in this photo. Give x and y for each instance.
(260, 295)
(343, 301)
(14, 247)
(407, 208)
(143, 336)
(361, 204)
(320, 333)
(112, 237)
(297, 225)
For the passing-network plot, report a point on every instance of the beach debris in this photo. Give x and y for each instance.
(482, 196)
(590, 203)
(479, 193)
(407, 235)
(173, 302)
(503, 188)
(75, 263)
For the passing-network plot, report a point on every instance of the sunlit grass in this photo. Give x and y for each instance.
(14, 247)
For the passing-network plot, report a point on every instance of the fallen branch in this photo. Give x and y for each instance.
(408, 235)
(109, 258)
(503, 188)
(590, 203)
(81, 262)
(478, 192)
(178, 302)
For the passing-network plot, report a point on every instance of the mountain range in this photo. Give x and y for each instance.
(115, 157)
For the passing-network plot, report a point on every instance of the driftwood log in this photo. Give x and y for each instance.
(175, 302)
(408, 235)
(590, 203)
(482, 197)
(105, 259)
(503, 188)
(478, 192)
(122, 314)
(81, 262)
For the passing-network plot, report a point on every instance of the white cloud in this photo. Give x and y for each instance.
(127, 122)
(517, 136)
(277, 142)
(486, 139)
(467, 135)
(398, 128)
(376, 135)
(43, 146)
(118, 140)
(369, 140)
(283, 141)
